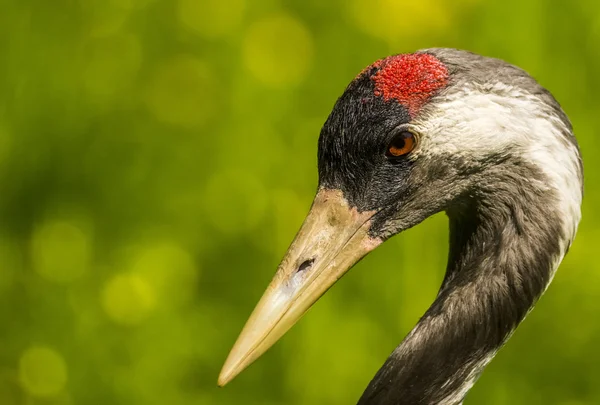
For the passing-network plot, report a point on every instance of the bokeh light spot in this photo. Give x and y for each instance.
(182, 92)
(235, 201)
(387, 19)
(61, 250)
(112, 65)
(169, 269)
(106, 17)
(278, 50)
(128, 299)
(211, 18)
(42, 372)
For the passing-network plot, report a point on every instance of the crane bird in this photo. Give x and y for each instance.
(412, 135)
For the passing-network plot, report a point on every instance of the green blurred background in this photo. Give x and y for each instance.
(157, 157)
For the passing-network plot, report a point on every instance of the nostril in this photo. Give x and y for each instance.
(305, 265)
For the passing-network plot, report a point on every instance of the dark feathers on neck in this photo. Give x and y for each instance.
(505, 239)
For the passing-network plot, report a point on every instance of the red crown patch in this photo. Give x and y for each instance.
(410, 79)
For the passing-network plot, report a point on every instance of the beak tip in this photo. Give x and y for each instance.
(224, 378)
(229, 371)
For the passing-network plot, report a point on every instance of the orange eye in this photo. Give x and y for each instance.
(402, 144)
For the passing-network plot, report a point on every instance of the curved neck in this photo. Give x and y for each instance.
(505, 244)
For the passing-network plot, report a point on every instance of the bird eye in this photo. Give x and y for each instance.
(401, 144)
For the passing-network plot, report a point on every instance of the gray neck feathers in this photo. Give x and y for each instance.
(506, 240)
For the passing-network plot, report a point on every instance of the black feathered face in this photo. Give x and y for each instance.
(354, 144)
(369, 151)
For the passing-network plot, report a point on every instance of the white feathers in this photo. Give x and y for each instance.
(458, 395)
(479, 120)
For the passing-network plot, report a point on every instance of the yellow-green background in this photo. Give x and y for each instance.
(157, 157)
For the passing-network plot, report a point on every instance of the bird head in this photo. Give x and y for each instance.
(412, 135)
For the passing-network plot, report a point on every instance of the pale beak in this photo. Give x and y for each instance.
(332, 239)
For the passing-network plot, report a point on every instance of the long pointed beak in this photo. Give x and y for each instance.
(332, 239)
